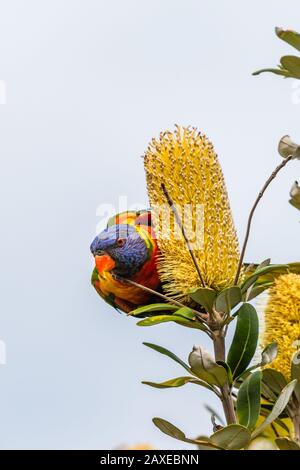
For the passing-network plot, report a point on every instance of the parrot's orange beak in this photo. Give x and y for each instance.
(104, 263)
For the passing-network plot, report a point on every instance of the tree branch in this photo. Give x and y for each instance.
(260, 195)
(201, 316)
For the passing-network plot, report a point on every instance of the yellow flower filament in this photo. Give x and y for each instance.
(282, 320)
(185, 161)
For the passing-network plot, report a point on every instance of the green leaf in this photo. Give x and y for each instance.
(269, 354)
(203, 365)
(289, 36)
(273, 382)
(283, 443)
(294, 268)
(280, 268)
(186, 312)
(168, 353)
(255, 291)
(245, 375)
(228, 299)
(172, 431)
(228, 371)
(205, 298)
(151, 321)
(245, 340)
(278, 407)
(159, 307)
(232, 437)
(284, 73)
(271, 276)
(263, 264)
(265, 411)
(248, 400)
(179, 382)
(295, 373)
(292, 64)
(169, 429)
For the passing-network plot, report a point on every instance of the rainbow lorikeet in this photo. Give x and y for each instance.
(127, 249)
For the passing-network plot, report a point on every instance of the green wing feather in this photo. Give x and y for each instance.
(109, 299)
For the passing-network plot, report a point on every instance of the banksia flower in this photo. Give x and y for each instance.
(139, 446)
(186, 163)
(282, 320)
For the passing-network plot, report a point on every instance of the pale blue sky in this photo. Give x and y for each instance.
(88, 84)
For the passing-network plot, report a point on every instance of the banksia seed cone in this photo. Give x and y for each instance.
(185, 161)
(282, 320)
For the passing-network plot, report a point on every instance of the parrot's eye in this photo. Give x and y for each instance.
(120, 242)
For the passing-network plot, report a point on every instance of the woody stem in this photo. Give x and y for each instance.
(226, 396)
(296, 424)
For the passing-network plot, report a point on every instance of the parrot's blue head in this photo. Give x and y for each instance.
(124, 245)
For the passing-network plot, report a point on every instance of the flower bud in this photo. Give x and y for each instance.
(287, 147)
(295, 195)
(295, 191)
(204, 366)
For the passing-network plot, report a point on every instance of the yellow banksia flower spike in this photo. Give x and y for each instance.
(186, 163)
(282, 320)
